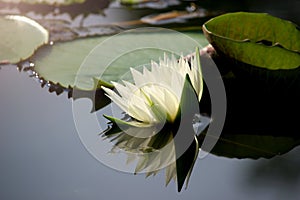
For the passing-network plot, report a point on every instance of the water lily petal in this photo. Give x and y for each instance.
(130, 86)
(196, 74)
(138, 77)
(116, 98)
(124, 91)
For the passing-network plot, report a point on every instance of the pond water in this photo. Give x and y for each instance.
(42, 156)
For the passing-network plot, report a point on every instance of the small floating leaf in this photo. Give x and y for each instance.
(20, 37)
(135, 1)
(174, 17)
(256, 39)
(153, 4)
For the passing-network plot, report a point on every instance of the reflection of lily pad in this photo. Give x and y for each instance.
(20, 37)
(59, 63)
(253, 146)
(44, 7)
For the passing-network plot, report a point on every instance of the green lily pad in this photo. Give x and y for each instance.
(256, 39)
(20, 37)
(78, 63)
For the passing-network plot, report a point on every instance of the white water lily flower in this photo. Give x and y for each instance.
(155, 95)
(153, 99)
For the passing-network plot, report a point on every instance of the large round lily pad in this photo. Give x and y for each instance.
(109, 58)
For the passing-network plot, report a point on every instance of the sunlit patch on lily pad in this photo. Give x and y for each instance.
(20, 37)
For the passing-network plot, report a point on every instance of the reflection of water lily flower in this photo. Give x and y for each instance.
(155, 95)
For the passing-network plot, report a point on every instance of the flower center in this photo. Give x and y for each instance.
(159, 102)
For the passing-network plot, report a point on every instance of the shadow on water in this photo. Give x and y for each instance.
(280, 174)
